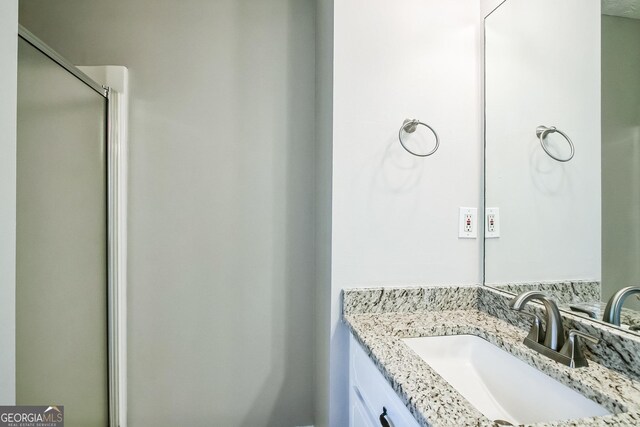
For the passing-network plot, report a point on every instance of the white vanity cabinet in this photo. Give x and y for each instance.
(370, 394)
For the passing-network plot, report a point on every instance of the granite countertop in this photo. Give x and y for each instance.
(563, 292)
(434, 402)
(577, 293)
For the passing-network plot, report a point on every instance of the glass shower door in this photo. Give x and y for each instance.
(61, 291)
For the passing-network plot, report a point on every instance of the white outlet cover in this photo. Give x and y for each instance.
(488, 232)
(470, 214)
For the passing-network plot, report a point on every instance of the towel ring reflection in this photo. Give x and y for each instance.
(543, 131)
(410, 126)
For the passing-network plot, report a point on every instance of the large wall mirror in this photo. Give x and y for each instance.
(562, 153)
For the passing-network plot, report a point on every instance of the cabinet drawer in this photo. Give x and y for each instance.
(370, 390)
(359, 416)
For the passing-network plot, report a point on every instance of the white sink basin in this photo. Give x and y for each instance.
(499, 385)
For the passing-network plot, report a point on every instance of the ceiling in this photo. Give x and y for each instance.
(624, 8)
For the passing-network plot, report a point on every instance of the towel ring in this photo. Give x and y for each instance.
(410, 126)
(541, 133)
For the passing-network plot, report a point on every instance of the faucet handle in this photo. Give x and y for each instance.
(536, 332)
(573, 334)
(590, 310)
(572, 348)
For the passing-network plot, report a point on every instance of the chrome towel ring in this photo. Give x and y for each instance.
(543, 131)
(410, 126)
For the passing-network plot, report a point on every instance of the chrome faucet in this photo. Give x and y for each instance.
(550, 340)
(553, 336)
(614, 306)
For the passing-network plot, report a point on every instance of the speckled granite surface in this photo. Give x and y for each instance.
(562, 292)
(629, 318)
(404, 300)
(431, 399)
(574, 292)
(618, 349)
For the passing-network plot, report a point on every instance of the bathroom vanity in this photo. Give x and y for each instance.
(481, 373)
(372, 400)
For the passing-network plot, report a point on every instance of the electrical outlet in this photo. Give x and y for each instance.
(468, 227)
(492, 223)
(468, 223)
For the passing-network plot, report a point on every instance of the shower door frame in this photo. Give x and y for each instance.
(115, 156)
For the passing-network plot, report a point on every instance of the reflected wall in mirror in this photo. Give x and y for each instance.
(562, 151)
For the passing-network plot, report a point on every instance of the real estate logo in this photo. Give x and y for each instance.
(31, 416)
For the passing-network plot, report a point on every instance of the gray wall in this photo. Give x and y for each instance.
(8, 87)
(221, 231)
(620, 155)
(324, 135)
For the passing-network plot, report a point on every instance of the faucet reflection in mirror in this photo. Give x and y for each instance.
(614, 306)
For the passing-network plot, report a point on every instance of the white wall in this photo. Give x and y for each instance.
(395, 216)
(221, 209)
(543, 68)
(487, 6)
(8, 102)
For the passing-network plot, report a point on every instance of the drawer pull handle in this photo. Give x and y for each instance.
(383, 418)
